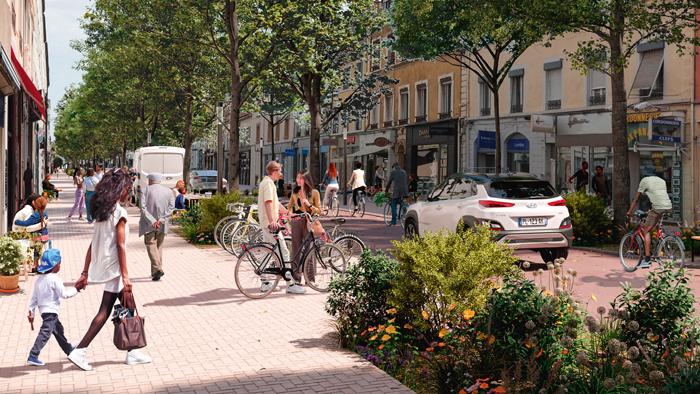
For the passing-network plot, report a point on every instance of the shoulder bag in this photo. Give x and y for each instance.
(129, 328)
(316, 227)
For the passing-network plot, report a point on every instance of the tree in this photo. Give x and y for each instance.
(617, 27)
(483, 36)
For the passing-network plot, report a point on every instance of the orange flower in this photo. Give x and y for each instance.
(381, 347)
(451, 307)
(430, 349)
(390, 330)
(500, 390)
(371, 329)
(468, 314)
(443, 332)
(484, 379)
(425, 315)
(364, 332)
(462, 392)
(373, 338)
(484, 386)
(593, 296)
(408, 326)
(564, 351)
(386, 337)
(539, 354)
(441, 344)
(392, 320)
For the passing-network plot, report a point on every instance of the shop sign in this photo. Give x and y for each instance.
(290, 152)
(381, 142)
(304, 151)
(434, 131)
(324, 149)
(351, 140)
(542, 123)
(518, 145)
(486, 140)
(638, 118)
(665, 130)
(330, 142)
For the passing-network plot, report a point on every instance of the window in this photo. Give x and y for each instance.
(286, 128)
(359, 72)
(648, 82)
(376, 61)
(553, 85)
(421, 102)
(516, 90)
(257, 133)
(442, 192)
(389, 110)
(374, 118)
(462, 188)
(445, 98)
(597, 87)
(403, 106)
(484, 99)
(277, 132)
(391, 55)
(346, 75)
(521, 189)
(269, 133)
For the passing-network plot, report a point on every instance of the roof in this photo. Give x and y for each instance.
(482, 178)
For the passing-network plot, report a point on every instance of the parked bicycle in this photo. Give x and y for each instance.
(261, 266)
(669, 250)
(351, 244)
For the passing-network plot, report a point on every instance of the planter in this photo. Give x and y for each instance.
(9, 284)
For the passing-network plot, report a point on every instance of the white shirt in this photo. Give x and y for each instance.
(91, 183)
(104, 265)
(48, 291)
(267, 192)
(656, 190)
(359, 180)
(99, 176)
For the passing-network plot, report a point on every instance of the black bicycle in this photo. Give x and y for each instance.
(260, 267)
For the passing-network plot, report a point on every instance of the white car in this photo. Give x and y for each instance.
(204, 179)
(525, 211)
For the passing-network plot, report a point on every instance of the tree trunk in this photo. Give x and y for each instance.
(621, 188)
(144, 130)
(497, 121)
(314, 103)
(271, 125)
(124, 152)
(188, 135)
(231, 20)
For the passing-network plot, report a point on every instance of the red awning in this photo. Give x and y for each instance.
(28, 86)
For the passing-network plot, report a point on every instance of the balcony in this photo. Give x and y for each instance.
(485, 112)
(516, 108)
(403, 121)
(444, 115)
(373, 126)
(647, 94)
(597, 100)
(421, 118)
(391, 59)
(375, 66)
(388, 123)
(554, 104)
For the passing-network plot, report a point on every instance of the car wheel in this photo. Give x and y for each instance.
(549, 255)
(411, 230)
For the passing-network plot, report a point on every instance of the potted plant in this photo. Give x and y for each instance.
(11, 256)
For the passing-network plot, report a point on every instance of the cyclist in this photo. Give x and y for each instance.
(400, 180)
(358, 182)
(331, 178)
(656, 190)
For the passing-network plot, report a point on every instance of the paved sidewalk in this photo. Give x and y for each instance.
(203, 334)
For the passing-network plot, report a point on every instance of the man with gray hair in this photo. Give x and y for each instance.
(157, 204)
(400, 180)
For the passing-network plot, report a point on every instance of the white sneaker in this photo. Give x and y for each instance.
(295, 289)
(265, 287)
(134, 357)
(79, 358)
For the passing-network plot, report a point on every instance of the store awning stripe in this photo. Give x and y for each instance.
(28, 85)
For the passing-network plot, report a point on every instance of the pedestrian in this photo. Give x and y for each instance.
(581, 177)
(600, 184)
(180, 200)
(304, 199)
(105, 261)
(413, 187)
(331, 179)
(35, 223)
(47, 185)
(90, 185)
(358, 182)
(79, 194)
(378, 178)
(99, 173)
(157, 205)
(269, 209)
(27, 177)
(400, 180)
(47, 294)
(176, 189)
(131, 199)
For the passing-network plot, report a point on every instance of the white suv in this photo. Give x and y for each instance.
(525, 211)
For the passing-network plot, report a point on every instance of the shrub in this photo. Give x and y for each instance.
(215, 207)
(357, 300)
(445, 268)
(12, 256)
(591, 225)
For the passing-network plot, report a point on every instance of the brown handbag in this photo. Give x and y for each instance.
(130, 332)
(316, 227)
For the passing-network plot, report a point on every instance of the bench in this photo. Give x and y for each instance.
(693, 239)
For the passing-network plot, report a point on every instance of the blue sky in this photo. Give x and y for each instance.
(62, 26)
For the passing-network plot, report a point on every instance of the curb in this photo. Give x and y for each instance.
(688, 263)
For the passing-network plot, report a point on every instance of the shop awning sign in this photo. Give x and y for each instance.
(324, 149)
(290, 152)
(518, 145)
(486, 141)
(304, 151)
(665, 130)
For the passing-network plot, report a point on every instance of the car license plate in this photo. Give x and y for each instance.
(533, 221)
(210, 184)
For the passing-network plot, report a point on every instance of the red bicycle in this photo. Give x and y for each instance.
(669, 250)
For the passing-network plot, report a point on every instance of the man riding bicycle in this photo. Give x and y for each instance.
(400, 180)
(656, 190)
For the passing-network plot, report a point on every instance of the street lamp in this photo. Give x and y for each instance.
(345, 165)
(220, 149)
(261, 158)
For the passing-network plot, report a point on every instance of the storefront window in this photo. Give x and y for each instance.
(668, 168)
(518, 153)
(431, 166)
(563, 169)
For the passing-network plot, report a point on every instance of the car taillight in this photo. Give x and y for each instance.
(558, 203)
(566, 223)
(493, 225)
(495, 204)
(196, 177)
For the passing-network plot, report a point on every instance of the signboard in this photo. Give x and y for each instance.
(324, 149)
(290, 152)
(440, 131)
(351, 140)
(542, 123)
(381, 142)
(330, 142)
(304, 151)
(665, 130)
(518, 145)
(486, 140)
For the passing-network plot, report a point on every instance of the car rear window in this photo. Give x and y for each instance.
(521, 189)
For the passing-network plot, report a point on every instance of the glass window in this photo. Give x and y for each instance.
(462, 188)
(404, 105)
(484, 100)
(554, 88)
(421, 96)
(442, 192)
(516, 94)
(521, 189)
(389, 108)
(446, 98)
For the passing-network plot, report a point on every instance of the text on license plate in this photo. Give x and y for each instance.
(533, 221)
(210, 184)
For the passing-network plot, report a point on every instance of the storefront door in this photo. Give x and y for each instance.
(431, 166)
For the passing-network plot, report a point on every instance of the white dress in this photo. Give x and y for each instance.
(104, 266)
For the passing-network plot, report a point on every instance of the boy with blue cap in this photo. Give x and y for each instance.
(48, 291)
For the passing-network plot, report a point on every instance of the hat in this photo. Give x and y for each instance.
(156, 177)
(396, 165)
(49, 259)
(649, 170)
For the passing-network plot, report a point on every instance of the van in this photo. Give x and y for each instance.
(167, 160)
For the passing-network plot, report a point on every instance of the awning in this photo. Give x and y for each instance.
(648, 70)
(28, 86)
(368, 150)
(9, 80)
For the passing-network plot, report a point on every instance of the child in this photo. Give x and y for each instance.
(39, 217)
(180, 200)
(48, 291)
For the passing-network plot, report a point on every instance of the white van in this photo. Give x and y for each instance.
(164, 159)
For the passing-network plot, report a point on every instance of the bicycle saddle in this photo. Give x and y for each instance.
(338, 221)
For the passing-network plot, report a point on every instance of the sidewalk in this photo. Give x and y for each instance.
(203, 334)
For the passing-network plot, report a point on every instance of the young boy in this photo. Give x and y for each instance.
(48, 291)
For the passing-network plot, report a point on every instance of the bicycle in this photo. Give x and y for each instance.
(333, 205)
(349, 243)
(237, 210)
(232, 228)
(250, 233)
(402, 209)
(668, 249)
(261, 266)
(360, 204)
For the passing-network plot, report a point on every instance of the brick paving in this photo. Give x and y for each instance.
(203, 334)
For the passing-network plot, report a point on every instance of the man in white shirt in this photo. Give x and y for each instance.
(656, 190)
(99, 173)
(269, 208)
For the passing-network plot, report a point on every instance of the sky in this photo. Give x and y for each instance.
(62, 26)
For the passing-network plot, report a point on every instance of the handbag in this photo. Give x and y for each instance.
(316, 227)
(129, 327)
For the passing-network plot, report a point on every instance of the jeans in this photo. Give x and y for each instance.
(394, 202)
(356, 193)
(79, 198)
(88, 195)
(51, 325)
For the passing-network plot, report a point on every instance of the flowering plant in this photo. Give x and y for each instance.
(11, 256)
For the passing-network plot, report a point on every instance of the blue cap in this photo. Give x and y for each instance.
(649, 170)
(49, 259)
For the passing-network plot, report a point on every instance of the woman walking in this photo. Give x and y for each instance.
(105, 261)
(304, 199)
(90, 185)
(79, 195)
(331, 178)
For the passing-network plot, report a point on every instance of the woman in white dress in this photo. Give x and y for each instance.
(105, 261)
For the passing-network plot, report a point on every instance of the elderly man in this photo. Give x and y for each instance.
(400, 180)
(157, 204)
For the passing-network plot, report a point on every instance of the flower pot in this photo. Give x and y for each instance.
(9, 284)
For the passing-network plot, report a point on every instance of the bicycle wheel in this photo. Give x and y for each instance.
(361, 206)
(352, 246)
(671, 253)
(252, 273)
(245, 235)
(321, 264)
(387, 214)
(402, 214)
(631, 251)
(336, 206)
(227, 232)
(220, 226)
(351, 206)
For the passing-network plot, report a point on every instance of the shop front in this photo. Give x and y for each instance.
(375, 149)
(432, 152)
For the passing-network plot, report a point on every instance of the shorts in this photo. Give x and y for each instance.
(654, 216)
(113, 286)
